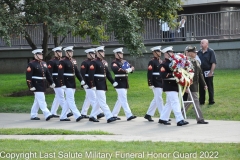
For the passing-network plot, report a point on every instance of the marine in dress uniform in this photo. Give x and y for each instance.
(155, 83)
(38, 76)
(97, 74)
(121, 77)
(90, 97)
(198, 78)
(170, 87)
(67, 70)
(59, 92)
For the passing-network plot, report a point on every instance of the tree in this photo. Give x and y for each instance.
(93, 18)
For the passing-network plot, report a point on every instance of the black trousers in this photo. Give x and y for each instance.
(202, 92)
(165, 35)
(182, 31)
(185, 96)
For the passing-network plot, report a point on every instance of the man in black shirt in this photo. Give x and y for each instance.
(208, 64)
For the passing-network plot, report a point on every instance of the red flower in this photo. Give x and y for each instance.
(178, 75)
(182, 83)
(181, 55)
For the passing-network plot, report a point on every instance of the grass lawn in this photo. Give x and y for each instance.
(226, 83)
(31, 131)
(84, 149)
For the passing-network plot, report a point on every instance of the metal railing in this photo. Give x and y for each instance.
(212, 25)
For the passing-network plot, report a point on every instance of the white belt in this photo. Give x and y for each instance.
(121, 75)
(170, 79)
(155, 73)
(36, 77)
(86, 75)
(68, 74)
(55, 74)
(99, 75)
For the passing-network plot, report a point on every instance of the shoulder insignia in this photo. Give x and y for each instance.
(29, 69)
(92, 67)
(60, 66)
(114, 64)
(82, 66)
(150, 67)
(162, 69)
(49, 66)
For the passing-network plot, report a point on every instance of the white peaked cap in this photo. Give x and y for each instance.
(118, 50)
(157, 48)
(37, 51)
(57, 49)
(100, 48)
(90, 50)
(170, 48)
(68, 48)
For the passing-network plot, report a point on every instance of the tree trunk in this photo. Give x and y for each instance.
(29, 40)
(45, 42)
(55, 39)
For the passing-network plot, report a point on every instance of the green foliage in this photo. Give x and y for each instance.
(95, 32)
(127, 28)
(94, 18)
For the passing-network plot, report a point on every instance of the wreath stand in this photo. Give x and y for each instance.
(183, 102)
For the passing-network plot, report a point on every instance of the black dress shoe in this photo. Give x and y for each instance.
(202, 122)
(55, 116)
(35, 118)
(202, 103)
(111, 120)
(93, 119)
(211, 103)
(169, 120)
(100, 115)
(66, 119)
(182, 122)
(149, 118)
(117, 118)
(69, 114)
(132, 117)
(49, 117)
(79, 118)
(85, 116)
(164, 122)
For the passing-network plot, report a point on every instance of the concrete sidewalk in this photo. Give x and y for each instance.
(138, 129)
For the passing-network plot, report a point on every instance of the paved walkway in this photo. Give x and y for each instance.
(138, 129)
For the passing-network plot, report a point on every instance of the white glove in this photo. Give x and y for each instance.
(82, 82)
(129, 70)
(94, 88)
(63, 87)
(32, 89)
(115, 84)
(85, 86)
(53, 85)
(151, 87)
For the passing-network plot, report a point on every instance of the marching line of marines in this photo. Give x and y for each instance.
(60, 74)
